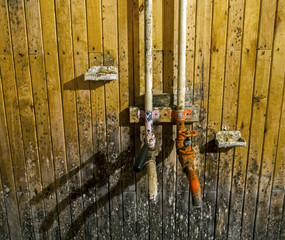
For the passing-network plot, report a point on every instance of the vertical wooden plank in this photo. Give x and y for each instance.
(256, 140)
(276, 229)
(168, 45)
(226, 157)
(170, 212)
(249, 46)
(35, 46)
(100, 152)
(94, 23)
(17, 151)
(271, 130)
(156, 207)
(5, 40)
(44, 138)
(65, 49)
(27, 116)
(218, 51)
(39, 87)
(142, 223)
(127, 132)
(230, 98)
(7, 189)
(110, 33)
(61, 185)
(200, 97)
(80, 52)
(34, 31)
(94, 19)
(157, 19)
(260, 98)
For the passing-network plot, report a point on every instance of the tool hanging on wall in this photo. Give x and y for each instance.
(183, 142)
(167, 113)
(145, 156)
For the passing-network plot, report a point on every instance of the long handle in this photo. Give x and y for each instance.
(182, 55)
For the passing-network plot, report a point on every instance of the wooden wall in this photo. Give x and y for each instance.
(66, 148)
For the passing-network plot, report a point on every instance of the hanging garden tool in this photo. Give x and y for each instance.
(145, 156)
(166, 113)
(183, 142)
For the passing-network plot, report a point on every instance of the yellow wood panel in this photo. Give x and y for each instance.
(80, 51)
(34, 31)
(157, 24)
(110, 43)
(125, 16)
(100, 148)
(267, 21)
(68, 86)
(230, 101)
(273, 170)
(191, 24)
(249, 46)
(219, 32)
(5, 44)
(27, 116)
(259, 108)
(94, 23)
(6, 168)
(56, 116)
(201, 90)
(168, 45)
(44, 137)
(256, 139)
(73, 137)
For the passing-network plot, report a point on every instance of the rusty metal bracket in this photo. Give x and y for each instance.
(164, 114)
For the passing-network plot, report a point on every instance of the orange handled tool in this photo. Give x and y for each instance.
(186, 158)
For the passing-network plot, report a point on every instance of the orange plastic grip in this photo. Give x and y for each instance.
(194, 186)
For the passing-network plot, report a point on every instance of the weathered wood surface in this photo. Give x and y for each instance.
(67, 146)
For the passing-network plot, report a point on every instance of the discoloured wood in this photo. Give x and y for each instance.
(110, 34)
(30, 161)
(218, 47)
(271, 133)
(249, 46)
(34, 31)
(5, 40)
(125, 16)
(230, 100)
(142, 222)
(44, 137)
(80, 53)
(226, 158)
(7, 189)
(82, 185)
(260, 99)
(4, 230)
(256, 140)
(68, 85)
(100, 151)
(61, 191)
(201, 89)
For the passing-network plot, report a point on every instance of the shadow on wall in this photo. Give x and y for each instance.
(102, 170)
